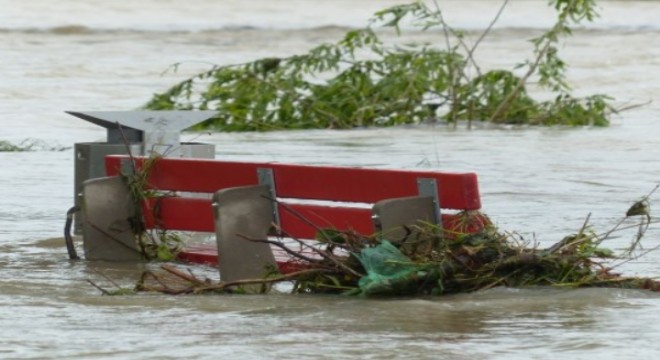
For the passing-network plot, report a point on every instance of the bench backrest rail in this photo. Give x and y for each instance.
(301, 199)
(348, 184)
(342, 186)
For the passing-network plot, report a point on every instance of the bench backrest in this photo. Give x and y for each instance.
(458, 191)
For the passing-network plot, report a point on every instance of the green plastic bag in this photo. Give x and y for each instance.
(389, 272)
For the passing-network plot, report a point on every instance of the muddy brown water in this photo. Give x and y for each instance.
(83, 55)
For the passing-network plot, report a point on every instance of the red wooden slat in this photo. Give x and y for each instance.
(191, 214)
(456, 190)
(179, 213)
(192, 175)
(323, 217)
(207, 254)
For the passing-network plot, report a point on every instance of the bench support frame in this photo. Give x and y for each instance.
(253, 197)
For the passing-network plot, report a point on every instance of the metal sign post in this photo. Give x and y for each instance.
(140, 133)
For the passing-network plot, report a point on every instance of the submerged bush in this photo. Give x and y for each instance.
(361, 81)
(29, 145)
(6, 146)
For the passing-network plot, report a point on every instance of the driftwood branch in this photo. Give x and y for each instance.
(318, 230)
(326, 256)
(200, 286)
(185, 276)
(287, 277)
(102, 290)
(295, 254)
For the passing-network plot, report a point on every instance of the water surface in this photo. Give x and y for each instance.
(88, 55)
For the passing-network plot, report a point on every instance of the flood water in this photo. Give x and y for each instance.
(540, 182)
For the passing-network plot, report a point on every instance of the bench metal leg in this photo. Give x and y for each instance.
(240, 213)
(429, 187)
(107, 209)
(392, 215)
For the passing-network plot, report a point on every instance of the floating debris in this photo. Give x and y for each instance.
(431, 261)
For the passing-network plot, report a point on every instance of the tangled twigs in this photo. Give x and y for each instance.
(294, 254)
(163, 288)
(328, 256)
(287, 277)
(572, 241)
(464, 260)
(641, 208)
(118, 289)
(320, 231)
(188, 277)
(102, 290)
(187, 283)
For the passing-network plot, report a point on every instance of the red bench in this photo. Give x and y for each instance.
(334, 192)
